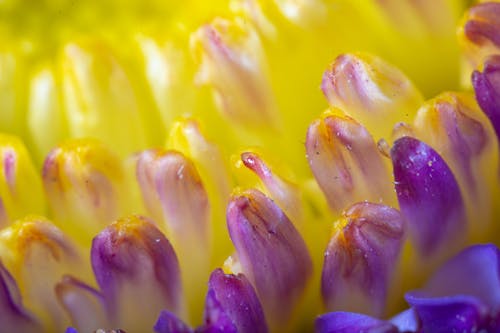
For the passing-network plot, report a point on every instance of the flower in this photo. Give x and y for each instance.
(153, 174)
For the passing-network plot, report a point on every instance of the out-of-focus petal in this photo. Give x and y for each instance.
(475, 272)
(84, 182)
(21, 190)
(406, 321)
(480, 32)
(232, 302)
(448, 314)
(137, 271)
(429, 198)
(346, 163)
(347, 322)
(272, 253)
(37, 254)
(453, 125)
(99, 95)
(13, 316)
(361, 259)
(233, 63)
(45, 111)
(487, 88)
(169, 323)
(84, 305)
(463, 295)
(368, 89)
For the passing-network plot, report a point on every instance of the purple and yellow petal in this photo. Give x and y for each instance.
(33, 247)
(453, 125)
(85, 187)
(21, 190)
(429, 198)
(232, 302)
(272, 254)
(361, 260)
(83, 304)
(137, 271)
(347, 163)
(367, 88)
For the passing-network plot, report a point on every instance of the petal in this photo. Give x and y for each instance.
(346, 322)
(84, 305)
(406, 321)
(346, 163)
(38, 254)
(186, 136)
(45, 111)
(487, 88)
(84, 182)
(475, 272)
(361, 259)
(13, 316)
(137, 271)
(448, 314)
(369, 89)
(232, 302)
(429, 197)
(283, 192)
(272, 253)
(454, 126)
(176, 197)
(232, 62)
(479, 32)
(169, 323)
(99, 95)
(21, 190)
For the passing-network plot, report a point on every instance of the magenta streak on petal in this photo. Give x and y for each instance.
(254, 163)
(487, 89)
(232, 302)
(13, 316)
(128, 249)
(361, 259)
(428, 195)
(347, 322)
(9, 167)
(169, 323)
(272, 253)
(484, 23)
